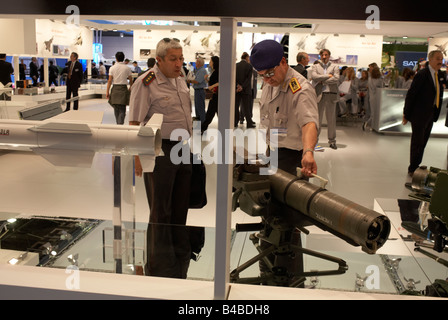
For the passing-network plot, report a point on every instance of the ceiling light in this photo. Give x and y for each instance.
(405, 37)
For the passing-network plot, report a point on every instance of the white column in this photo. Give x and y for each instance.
(29, 38)
(226, 103)
(16, 70)
(46, 77)
(89, 69)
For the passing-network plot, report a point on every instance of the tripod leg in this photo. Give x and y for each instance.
(341, 263)
(234, 275)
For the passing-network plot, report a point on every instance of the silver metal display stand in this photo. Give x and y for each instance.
(226, 101)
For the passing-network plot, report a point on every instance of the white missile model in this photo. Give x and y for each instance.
(74, 144)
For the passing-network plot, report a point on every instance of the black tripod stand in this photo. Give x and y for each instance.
(280, 256)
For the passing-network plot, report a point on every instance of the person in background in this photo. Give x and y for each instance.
(213, 85)
(350, 95)
(6, 70)
(375, 82)
(22, 69)
(53, 73)
(150, 64)
(102, 71)
(363, 91)
(325, 76)
(119, 75)
(34, 71)
(137, 68)
(244, 92)
(94, 71)
(74, 79)
(302, 62)
(422, 106)
(199, 85)
(408, 75)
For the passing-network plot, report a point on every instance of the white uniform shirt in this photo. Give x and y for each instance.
(287, 111)
(161, 96)
(120, 73)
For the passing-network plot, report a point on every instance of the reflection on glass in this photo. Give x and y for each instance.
(170, 249)
(390, 115)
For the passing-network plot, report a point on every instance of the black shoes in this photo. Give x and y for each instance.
(333, 146)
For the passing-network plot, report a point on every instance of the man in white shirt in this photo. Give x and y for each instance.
(119, 74)
(102, 71)
(325, 76)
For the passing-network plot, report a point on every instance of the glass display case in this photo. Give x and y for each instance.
(88, 245)
(390, 115)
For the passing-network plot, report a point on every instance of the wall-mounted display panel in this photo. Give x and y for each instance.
(346, 49)
(59, 40)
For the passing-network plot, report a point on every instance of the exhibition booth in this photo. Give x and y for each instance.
(82, 233)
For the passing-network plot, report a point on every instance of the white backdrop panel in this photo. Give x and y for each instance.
(346, 49)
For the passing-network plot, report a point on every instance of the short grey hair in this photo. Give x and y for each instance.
(300, 56)
(166, 44)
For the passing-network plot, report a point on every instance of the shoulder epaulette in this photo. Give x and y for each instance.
(149, 78)
(294, 85)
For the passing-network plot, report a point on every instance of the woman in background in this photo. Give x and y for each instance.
(375, 82)
(213, 85)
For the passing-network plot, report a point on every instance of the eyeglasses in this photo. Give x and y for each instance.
(169, 39)
(269, 74)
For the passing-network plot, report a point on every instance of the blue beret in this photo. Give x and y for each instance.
(266, 54)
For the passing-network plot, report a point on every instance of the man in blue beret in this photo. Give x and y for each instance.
(288, 108)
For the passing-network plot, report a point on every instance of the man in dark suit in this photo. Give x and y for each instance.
(422, 106)
(302, 61)
(6, 70)
(34, 71)
(244, 91)
(74, 79)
